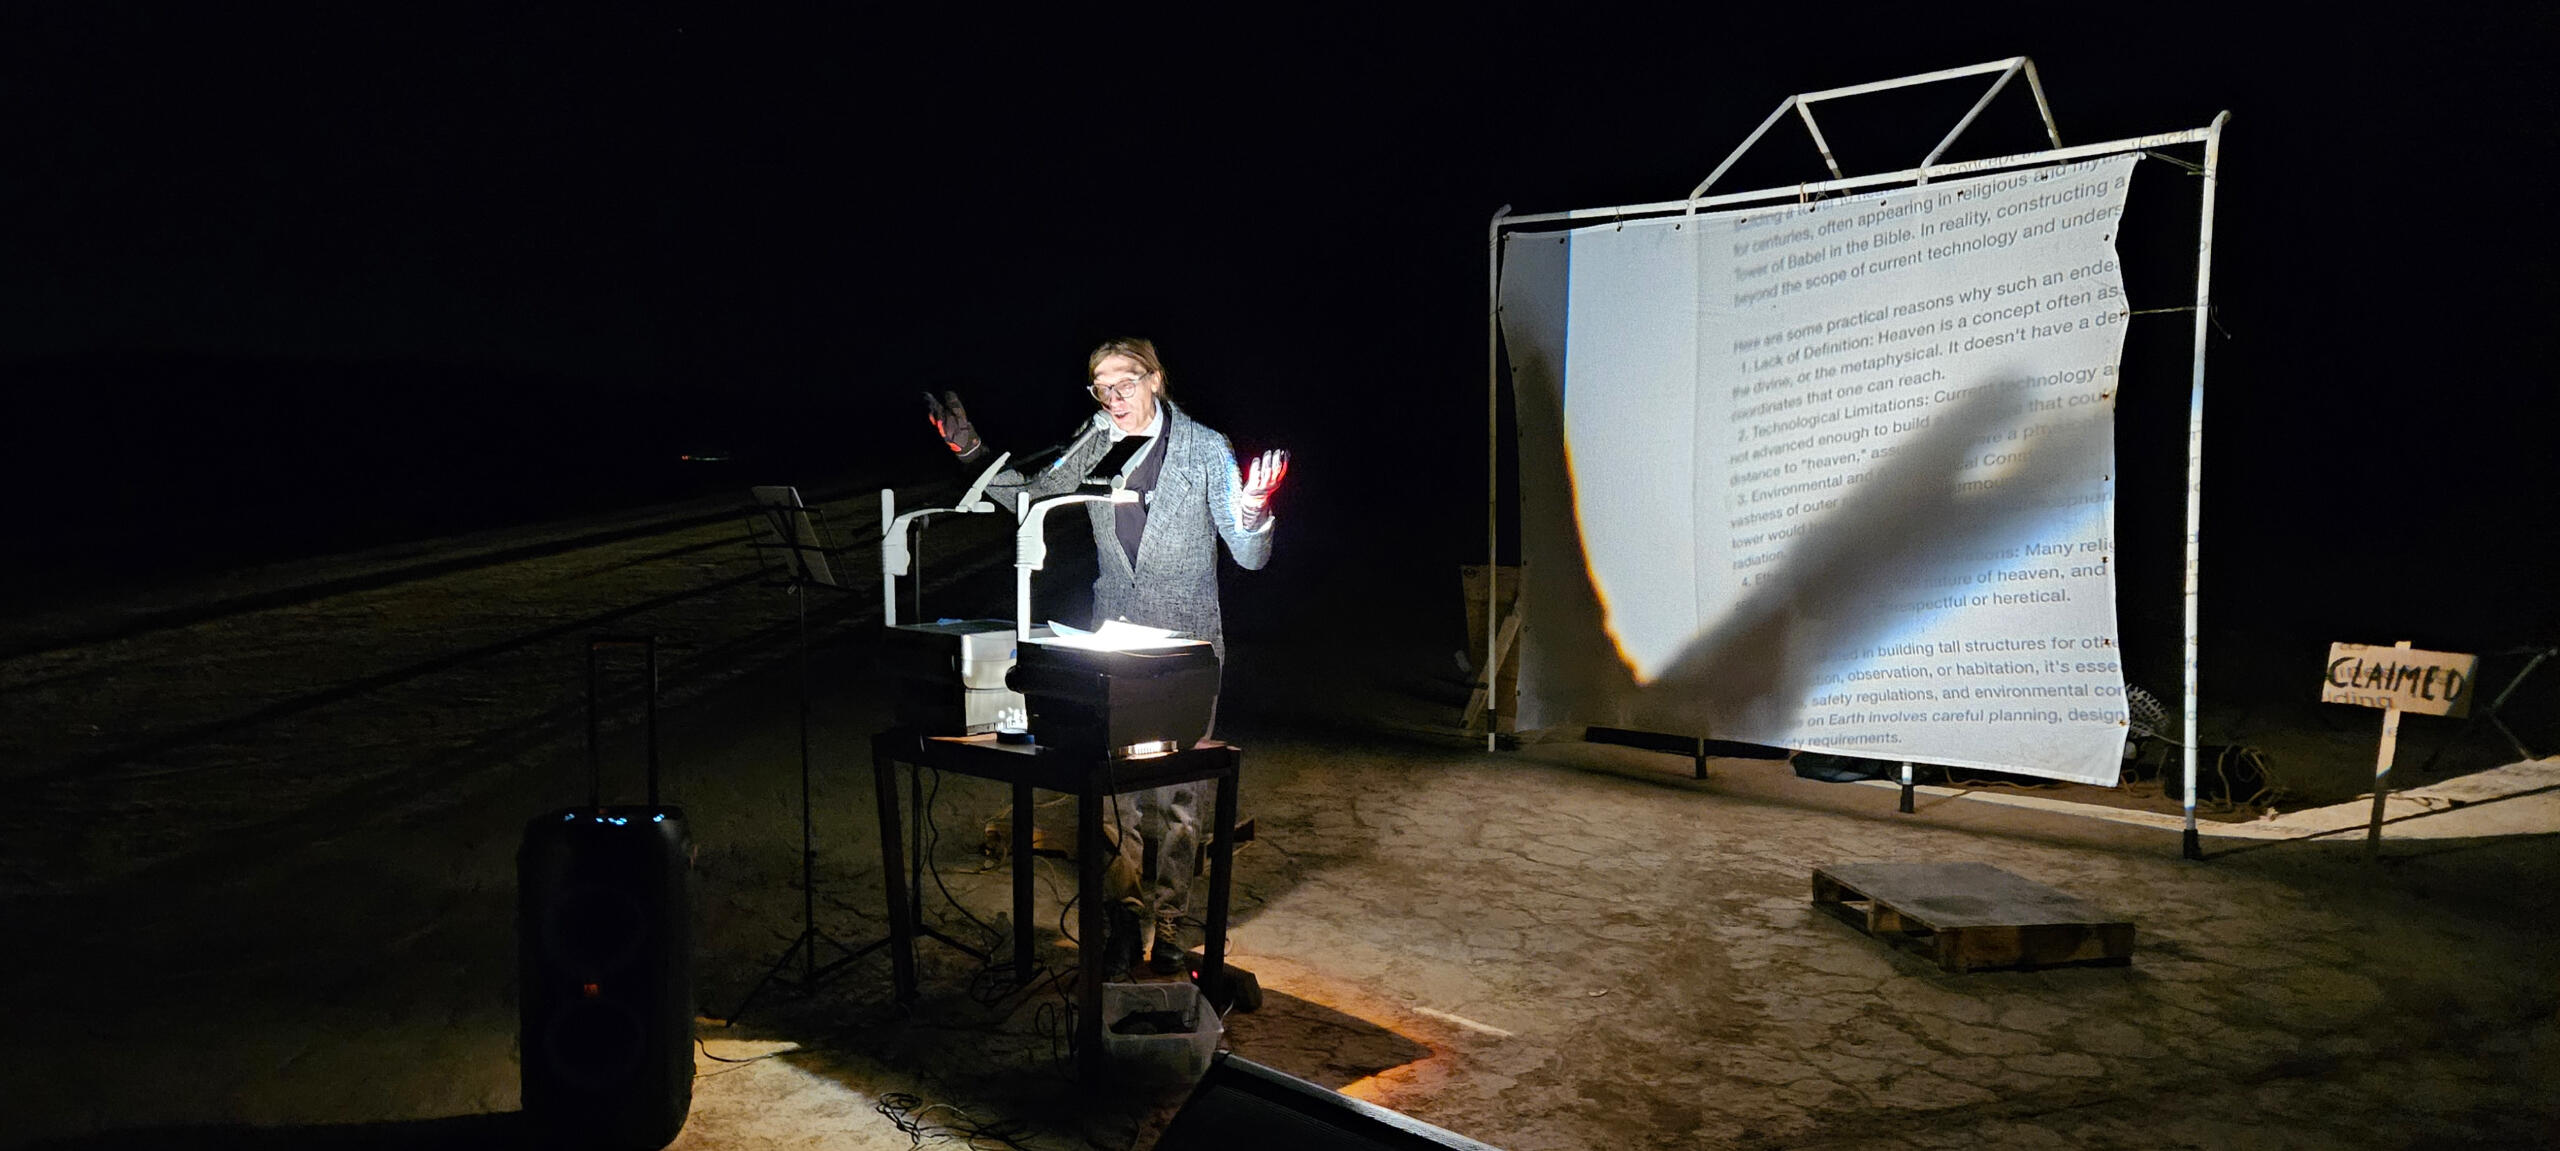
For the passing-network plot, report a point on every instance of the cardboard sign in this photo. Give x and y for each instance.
(2424, 682)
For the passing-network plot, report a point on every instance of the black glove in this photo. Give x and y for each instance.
(951, 421)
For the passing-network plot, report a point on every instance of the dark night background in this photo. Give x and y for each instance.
(280, 281)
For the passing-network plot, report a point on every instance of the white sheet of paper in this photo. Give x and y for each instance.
(1115, 635)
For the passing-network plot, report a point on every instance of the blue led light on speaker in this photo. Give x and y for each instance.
(661, 817)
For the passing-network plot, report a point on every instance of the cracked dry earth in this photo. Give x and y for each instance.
(1601, 954)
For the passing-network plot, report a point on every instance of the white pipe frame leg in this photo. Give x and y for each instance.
(2195, 472)
(1493, 471)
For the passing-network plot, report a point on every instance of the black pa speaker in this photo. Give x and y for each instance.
(1241, 1105)
(604, 957)
(604, 943)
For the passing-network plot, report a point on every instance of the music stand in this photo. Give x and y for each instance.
(790, 539)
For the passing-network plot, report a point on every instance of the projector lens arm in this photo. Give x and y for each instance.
(1031, 545)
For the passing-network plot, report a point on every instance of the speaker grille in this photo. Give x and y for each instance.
(604, 907)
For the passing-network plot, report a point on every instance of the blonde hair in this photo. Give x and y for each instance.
(1143, 351)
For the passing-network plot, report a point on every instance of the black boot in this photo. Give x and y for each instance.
(1167, 957)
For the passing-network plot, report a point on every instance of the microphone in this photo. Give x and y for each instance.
(1100, 423)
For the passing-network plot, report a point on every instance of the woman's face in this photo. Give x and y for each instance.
(1125, 391)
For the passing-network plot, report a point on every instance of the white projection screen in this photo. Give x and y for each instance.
(1835, 476)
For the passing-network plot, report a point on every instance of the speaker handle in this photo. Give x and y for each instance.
(595, 764)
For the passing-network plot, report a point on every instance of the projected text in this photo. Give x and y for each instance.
(1869, 441)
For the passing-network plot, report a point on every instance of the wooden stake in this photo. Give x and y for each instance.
(2382, 775)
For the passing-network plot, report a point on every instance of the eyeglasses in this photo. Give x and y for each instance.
(1105, 393)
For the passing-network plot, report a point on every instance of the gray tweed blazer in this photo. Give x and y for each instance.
(1174, 583)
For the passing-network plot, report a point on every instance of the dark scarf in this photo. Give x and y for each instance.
(1129, 520)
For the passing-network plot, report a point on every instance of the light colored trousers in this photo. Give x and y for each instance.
(1158, 832)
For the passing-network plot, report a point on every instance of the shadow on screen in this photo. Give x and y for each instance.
(1907, 535)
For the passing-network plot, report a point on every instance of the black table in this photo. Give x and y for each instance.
(1091, 779)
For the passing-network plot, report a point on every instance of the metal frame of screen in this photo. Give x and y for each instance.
(1803, 105)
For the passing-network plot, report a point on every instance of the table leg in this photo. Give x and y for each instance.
(1022, 865)
(902, 930)
(1222, 864)
(1090, 926)
(915, 847)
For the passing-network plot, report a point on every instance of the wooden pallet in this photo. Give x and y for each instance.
(1968, 916)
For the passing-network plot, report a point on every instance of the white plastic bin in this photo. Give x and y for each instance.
(1167, 1056)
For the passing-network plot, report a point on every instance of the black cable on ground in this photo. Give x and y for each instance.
(705, 1048)
(933, 845)
(907, 1113)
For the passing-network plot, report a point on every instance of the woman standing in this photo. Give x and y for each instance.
(1157, 564)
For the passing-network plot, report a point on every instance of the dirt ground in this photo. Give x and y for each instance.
(259, 865)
